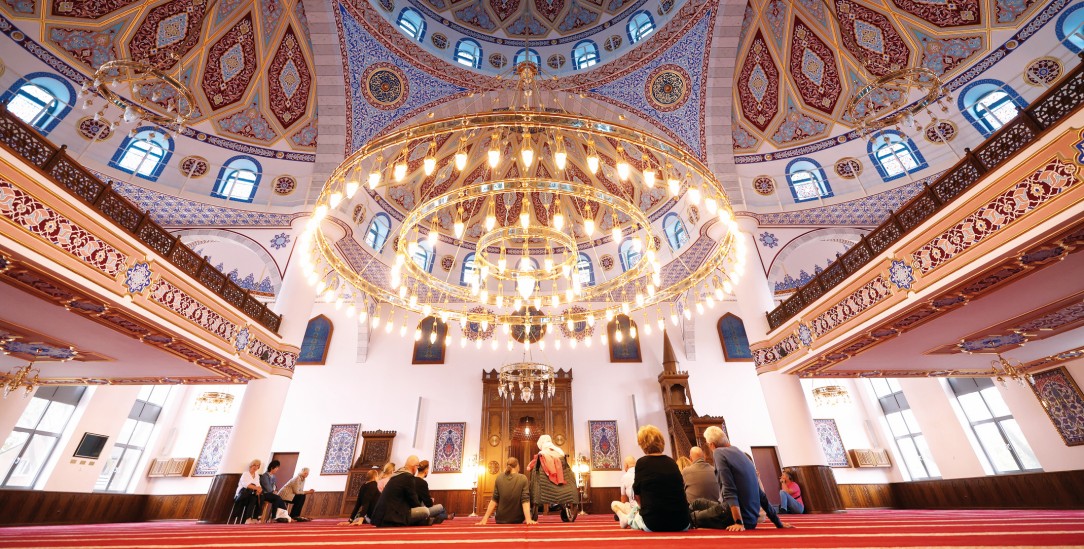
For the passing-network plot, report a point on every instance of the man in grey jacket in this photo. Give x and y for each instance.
(294, 492)
(700, 479)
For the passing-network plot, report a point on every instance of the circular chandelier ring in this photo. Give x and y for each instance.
(138, 71)
(566, 247)
(918, 77)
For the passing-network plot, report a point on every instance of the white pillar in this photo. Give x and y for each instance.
(787, 406)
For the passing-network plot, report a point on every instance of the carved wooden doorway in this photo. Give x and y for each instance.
(512, 427)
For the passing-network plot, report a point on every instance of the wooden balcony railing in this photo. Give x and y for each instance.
(25, 142)
(1052, 107)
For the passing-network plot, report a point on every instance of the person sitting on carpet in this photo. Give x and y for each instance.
(294, 493)
(790, 497)
(422, 486)
(658, 487)
(385, 476)
(740, 491)
(399, 504)
(699, 477)
(367, 497)
(511, 499)
(248, 491)
(267, 483)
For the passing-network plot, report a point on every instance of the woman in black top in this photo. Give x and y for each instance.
(367, 497)
(659, 487)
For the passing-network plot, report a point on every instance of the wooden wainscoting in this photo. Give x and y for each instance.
(458, 501)
(174, 506)
(22, 507)
(324, 505)
(1058, 490)
(601, 497)
(862, 496)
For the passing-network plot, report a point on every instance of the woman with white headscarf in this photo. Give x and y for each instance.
(552, 480)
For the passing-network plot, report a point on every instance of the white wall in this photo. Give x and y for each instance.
(852, 419)
(949, 440)
(102, 411)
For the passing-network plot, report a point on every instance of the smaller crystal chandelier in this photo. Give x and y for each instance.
(156, 96)
(1001, 368)
(831, 395)
(25, 378)
(214, 402)
(524, 377)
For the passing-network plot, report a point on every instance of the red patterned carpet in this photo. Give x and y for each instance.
(859, 528)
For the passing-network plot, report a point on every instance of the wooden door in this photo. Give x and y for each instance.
(287, 465)
(767, 461)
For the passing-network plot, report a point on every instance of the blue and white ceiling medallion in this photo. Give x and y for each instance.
(805, 335)
(138, 277)
(242, 339)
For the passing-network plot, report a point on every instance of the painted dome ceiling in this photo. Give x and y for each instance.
(249, 64)
(800, 61)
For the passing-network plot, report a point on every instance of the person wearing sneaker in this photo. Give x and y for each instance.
(268, 484)
(248, 492)
(294, 493)
(422, 486)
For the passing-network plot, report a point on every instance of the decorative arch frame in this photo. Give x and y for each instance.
(971, 93)
(227, 168)
(63, 107)
(876, 142)
(273, 270)
(733, 339)
(317, 341)
(673, 237)
(634, 27)
(818, 172)
(475, 58)
(628, 350)
(585, 54)
(122, 150)
(383, 237)
(421, 23)
(1067, 18)
(426, 352)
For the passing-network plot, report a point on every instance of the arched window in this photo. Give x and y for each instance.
(989, 105)
(145, 153)
(586, 270)
(1070, 29)
(315, 343)
(628, 253)
(423, 255)
(675, 231)
(378, 231)
(585, 54)
(640, 25)
(527, 55)
(40, 99)
(807, 180)
(894, 155)
(469, 274)
(734, 339)
(469, 53)
(412, 23)
(238, 179)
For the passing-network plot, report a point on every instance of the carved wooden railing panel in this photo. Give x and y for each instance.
(1049, 109)
(25, 142)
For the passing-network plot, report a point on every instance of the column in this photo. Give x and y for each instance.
(797, 443)
(261, 407)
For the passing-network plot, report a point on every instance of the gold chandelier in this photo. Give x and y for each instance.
(1001, 367)
(26, 378)
(527, 188)
(156, 96)
(522, 378)
(831, 395)
(214, 402)
(887, 101)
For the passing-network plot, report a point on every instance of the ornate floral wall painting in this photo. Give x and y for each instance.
(214, 446)
(430, 346)
(317, 339)
(448, 449)
(1061, 398)
(628, 349)
(341, 443)
(605, 447)
(831, 442)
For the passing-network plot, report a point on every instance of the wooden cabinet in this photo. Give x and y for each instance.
(876, 457)
(171, 467)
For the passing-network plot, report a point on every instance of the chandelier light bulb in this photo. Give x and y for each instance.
(694, 195)
(560, 159)
(618, 337)
(559, 221)
(625, 307)
(623, 170)
(335, 199)
(548, 263)
(500, 300)
(617, 234)
(484, 296)
(632, 331)
(568, 296)
(589, 226)
(525, 286)
(432, 236)
(374, 179)
(458, 228)
(417, 334)
(352, 186)
(673, 319)
(376, 321)
(651, 290)
(527, 154)
(402, 292)
(555, 300)
(699, 308)
(688, 313)
(592, 163)
(413, 301)
(609, 315)
(389, 326)
(649, 178)
(537, 302)
(674, 186)
(524, 219)
(712, 205)
(320, 212)
(400, 171)
(494, 157)
(432, 337)
(429, 165)
(427, 310)
(591, 320)
(517, 304)
(402, 330)
(461, 160)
